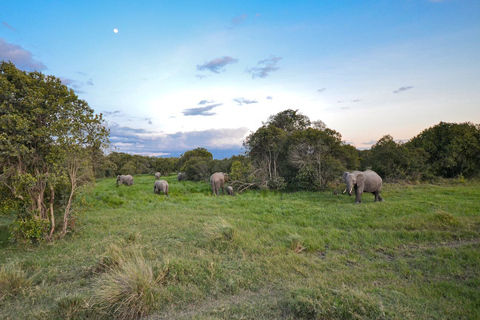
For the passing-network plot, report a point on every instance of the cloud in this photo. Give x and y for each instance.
(201, 111)
(402, 89)
(267, 66)
(239, 19)
(111, 113)
(20, 57)
(66, 81)
(9, 26)
(90, 82)
(321, 90)
(204, 102)
(217, 65)
(242, 101)
(140, 141)
(269, 98)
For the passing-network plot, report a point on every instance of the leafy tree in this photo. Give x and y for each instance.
(197, 164)
(47, 135)
(453, 149)
(290, 149)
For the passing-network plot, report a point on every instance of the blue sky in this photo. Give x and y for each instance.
(184, 74)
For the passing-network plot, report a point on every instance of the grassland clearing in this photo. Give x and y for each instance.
(259, 254)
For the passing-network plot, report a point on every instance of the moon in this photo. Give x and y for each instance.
(115, 30)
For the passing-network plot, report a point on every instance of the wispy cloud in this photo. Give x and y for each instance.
(204, 102)
(269, 98)
(20, 57)
(9, 26)
(201, 111)
(239, 19)
(321, 90)
(120, 114)
(402, 89)
(217, 65)
(242, 101)
(265, 67)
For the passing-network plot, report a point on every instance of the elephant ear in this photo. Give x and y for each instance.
(361, 179)
(345, 175)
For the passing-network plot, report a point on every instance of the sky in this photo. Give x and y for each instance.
(171, 76)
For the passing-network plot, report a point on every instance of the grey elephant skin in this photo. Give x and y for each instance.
(217, 182)
(181, 176)
(125, 179)
(157, 175)
(160, 186)
(363, 181)
(230, 190)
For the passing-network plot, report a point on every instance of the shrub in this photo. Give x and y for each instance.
(30, 228)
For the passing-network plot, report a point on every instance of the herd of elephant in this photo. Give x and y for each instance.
(360, 181)
(217, 182)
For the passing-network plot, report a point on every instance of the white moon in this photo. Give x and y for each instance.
(115, 30)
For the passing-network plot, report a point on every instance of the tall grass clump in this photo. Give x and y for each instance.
(324, 303)
(218, 230)
(13, 280)
(129, 290)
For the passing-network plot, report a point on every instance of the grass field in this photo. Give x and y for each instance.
(258, 255)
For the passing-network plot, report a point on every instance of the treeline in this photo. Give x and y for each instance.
(290, 151)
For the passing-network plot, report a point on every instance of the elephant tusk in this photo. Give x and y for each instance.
(344, 191)
(350, 190)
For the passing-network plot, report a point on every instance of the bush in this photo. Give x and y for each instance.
(30, 228)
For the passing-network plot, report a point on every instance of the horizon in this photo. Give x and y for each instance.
(171, 77)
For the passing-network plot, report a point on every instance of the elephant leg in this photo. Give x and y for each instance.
(358, 194)
(377, 196)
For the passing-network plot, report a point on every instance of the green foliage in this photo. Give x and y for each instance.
(452, 149)
(46, 134)
(303, 155)
(30, 228)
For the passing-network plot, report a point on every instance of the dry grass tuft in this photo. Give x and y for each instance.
(129, 290)
(219, 230)
(13, 280)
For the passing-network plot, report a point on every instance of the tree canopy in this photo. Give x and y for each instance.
(47, 138)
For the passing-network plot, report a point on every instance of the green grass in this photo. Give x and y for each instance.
(258, 255)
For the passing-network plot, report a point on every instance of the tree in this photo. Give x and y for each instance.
(453, 149)
(197, 164)
(46, 135)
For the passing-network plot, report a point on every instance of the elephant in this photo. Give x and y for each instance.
(217, 181)
(181, 176)
(125, 179)
(157, 175)
(230, 191)
(363, 181)
(161, 186)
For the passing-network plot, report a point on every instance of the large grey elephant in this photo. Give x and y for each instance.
(217, 181)
(181, 176)
(160, 186)
(230, 190)
(157, 175)
(125, 179)
(363, 181)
